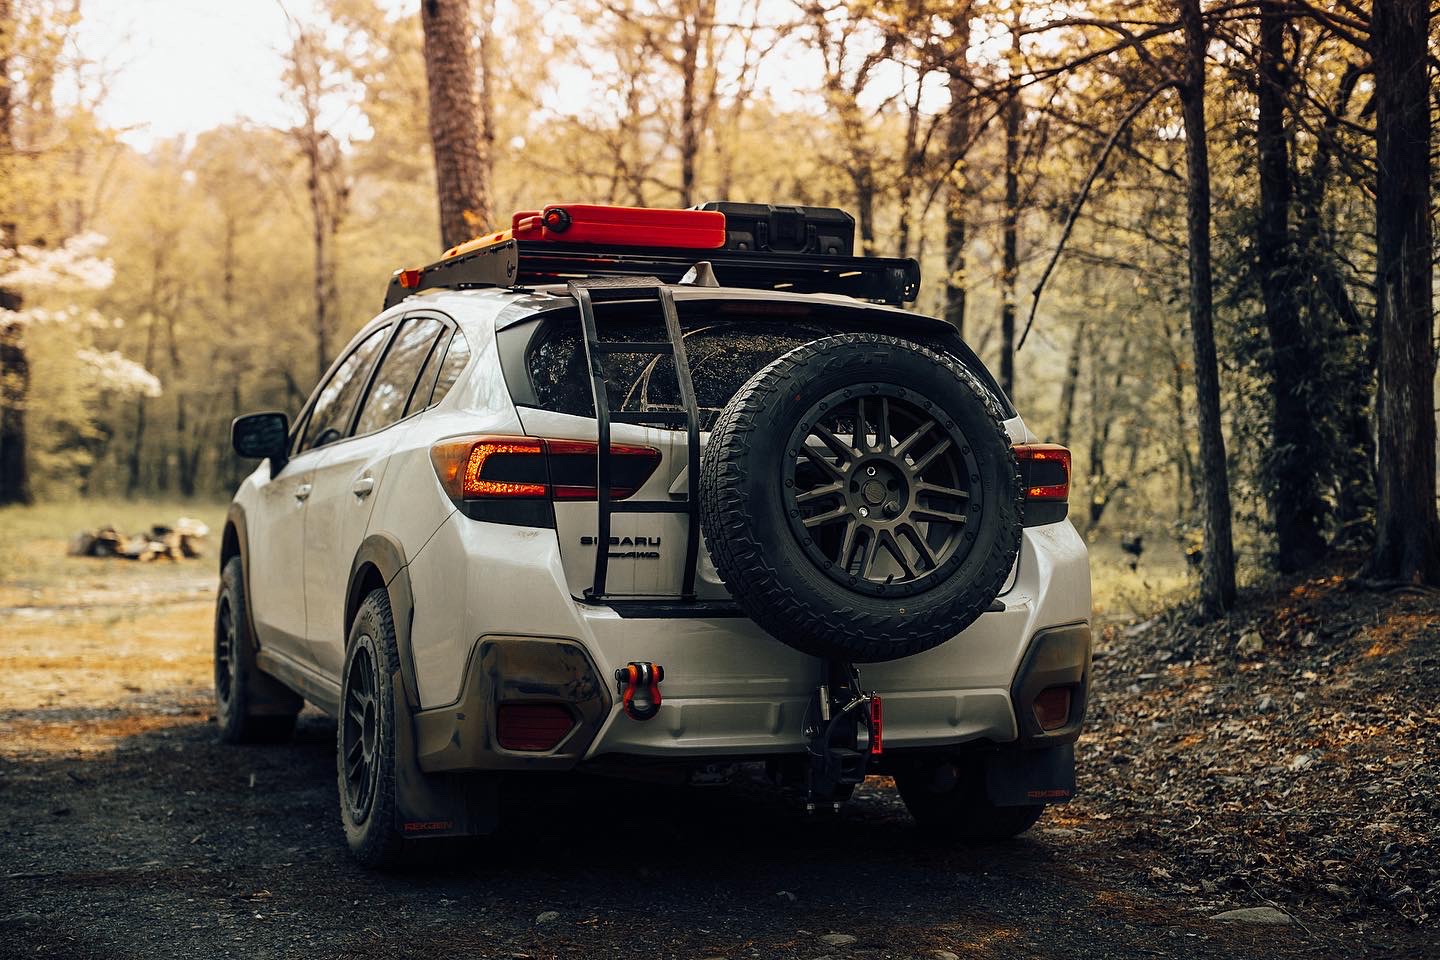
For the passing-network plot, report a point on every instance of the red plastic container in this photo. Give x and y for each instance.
(621, 226)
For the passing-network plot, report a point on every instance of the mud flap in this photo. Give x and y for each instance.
(1022, 778)
(437, 804)
(267, 697)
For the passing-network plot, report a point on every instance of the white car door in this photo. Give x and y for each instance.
(275, 544)
(347, 480)
(277, 537)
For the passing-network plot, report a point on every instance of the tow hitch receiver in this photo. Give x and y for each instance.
(843, 732)
(638, 684)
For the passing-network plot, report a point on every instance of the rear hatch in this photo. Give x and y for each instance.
(727, 341)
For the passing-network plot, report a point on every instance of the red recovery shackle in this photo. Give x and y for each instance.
(639, 684)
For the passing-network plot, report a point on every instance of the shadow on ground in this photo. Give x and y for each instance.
(162, 843)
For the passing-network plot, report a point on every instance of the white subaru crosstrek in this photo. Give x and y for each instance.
(619, 499)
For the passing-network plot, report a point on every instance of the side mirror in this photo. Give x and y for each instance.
(261, 435)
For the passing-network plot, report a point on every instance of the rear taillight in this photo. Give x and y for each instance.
(1045, 481)
(534, 468)
(1044, 470)
(532, 727)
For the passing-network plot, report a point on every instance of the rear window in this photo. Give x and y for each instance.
(724, 352)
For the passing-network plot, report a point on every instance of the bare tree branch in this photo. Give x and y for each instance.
(1090, 179)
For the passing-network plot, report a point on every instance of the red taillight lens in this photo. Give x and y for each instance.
(877, 727)
(1044, 470)
(533, 727)
(1052, 708)
(481, 468)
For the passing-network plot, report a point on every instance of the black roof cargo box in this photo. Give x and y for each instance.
(769, 227)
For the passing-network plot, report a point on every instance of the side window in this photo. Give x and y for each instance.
(425, 383)
(398, 372)
(331, 414)
(455, 359)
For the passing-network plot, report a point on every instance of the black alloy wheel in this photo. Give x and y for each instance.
(880, 487)
(359, 731)
(227, 647)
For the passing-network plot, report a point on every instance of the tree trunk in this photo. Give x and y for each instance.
(137, 446)
(912, 155)
(14, 393)
(485, 50)
(455, 134)
(691, 30)
(1180, 434)
(1295, 455)
(1350, 385)
(1010, 226)
(1102, 420)
(14, 365)
(319, 277)
(325, 182)
(1068, 385)
(1217, 571)
(957, 145)
(863, 177)
(1407, 533)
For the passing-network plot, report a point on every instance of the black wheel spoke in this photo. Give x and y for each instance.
(882, 427)
(828, 490)
(904, 446)
(842, 449)
(892, 547)
(861, 433)
(935, 513)
(847, 544)
(867, 558)
(943, 491)
(820, 461)
(919, 466)
(829, 516)
(927, 556)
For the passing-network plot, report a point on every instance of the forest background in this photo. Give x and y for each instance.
(1194, 241)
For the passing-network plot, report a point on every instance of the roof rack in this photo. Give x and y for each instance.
(533, 252)
(513, 262)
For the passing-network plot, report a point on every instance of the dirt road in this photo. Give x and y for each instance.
(127, 831)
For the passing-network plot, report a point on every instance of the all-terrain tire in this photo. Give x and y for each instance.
(770, 562)
(250, 705)
(367, 725)
(948, 801)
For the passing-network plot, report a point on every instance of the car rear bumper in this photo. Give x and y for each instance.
(730, 690)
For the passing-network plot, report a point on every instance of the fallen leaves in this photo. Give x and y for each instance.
(1308, 773)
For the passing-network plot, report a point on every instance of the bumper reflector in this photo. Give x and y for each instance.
(1052, 708)
(533, 727)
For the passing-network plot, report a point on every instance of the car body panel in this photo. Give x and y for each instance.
(276, 507)
(349, 476)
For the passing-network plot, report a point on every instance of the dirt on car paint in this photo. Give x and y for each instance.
(126, 830)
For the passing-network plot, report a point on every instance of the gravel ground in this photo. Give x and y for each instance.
(127, 831)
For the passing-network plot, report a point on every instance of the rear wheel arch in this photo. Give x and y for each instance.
(380, 563)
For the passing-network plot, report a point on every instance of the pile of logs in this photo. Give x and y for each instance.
(184, 540)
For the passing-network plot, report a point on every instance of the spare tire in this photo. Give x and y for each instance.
(863, 544)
